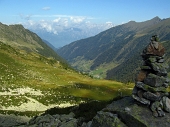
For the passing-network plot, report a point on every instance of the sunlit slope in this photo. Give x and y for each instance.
(23, 39)
(34, 78)
(49, 81)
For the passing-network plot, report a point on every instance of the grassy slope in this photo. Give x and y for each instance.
(19, 37)
(58, 84)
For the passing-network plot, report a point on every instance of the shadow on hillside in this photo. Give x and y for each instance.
(85, 111)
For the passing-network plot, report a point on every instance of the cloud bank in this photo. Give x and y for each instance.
(60, 30)
(63, 22)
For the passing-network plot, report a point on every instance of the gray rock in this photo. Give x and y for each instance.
(156, 108)
(139, 116)
(44, 119)
(155, 105)
(141, 100)
(41, 125)
(140, 93)
(161, 60)
(135, 90)
(149, 88)
(89, 124)
(54, 122)
(56, 116)
(154, 80)
(160, 112)
(32, 121)
(139, 85)
(66, 117)
(153, 59)
(167, 80)
(160, 68)
(12, 120)
(127, 109)
(84, 124)
(106, 119)
(34, 125)
(165, 85)
(71, 123)
(166, 103)
(64, 120)
(152, 96)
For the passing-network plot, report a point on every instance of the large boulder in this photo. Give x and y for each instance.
(154, 80)
(107, 119)
(134, 114)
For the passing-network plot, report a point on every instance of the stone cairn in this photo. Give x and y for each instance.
(152, 82)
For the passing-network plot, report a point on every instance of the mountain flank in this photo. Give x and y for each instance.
(113, 53)
(33, 79)
(23, 39)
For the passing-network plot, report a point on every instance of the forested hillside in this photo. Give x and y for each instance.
(107, 53)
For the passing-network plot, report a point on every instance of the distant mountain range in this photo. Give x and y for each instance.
(64, 35)
(115, 53)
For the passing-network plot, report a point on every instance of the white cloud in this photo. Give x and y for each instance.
(108, 22)
(31, 22)
(57, 20)
(77, 19)
(62, 22)
(46, 8)
(66, 22)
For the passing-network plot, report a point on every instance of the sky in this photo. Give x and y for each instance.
(57, 17)
(77, 11)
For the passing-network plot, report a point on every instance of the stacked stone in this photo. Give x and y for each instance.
(152, 82)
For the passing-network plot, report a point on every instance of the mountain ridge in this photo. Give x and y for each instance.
(115, 45)
(23, 39)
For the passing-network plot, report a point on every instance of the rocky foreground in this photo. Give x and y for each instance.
(125, 112)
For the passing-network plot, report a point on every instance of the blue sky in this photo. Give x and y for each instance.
(96, 11)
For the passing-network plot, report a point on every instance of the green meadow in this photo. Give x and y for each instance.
(25, 76)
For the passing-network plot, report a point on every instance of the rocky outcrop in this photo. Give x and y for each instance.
(125, 112)
(64, 120)
(134, 114)
(152, 82)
